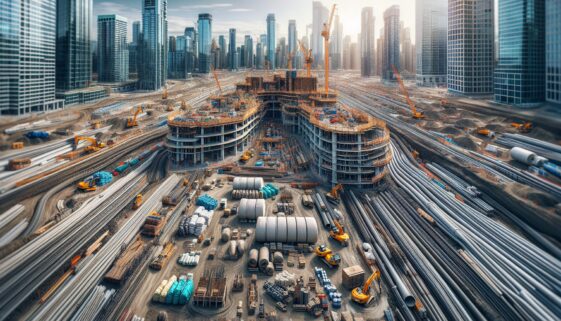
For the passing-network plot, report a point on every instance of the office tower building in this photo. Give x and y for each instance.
(259, 56)
(293, 44)
(248, 53)
(553, 51)
(407, 54)
(73, 58)
(347, 52)
(134, 48)
(367, 57)
(27, 43)
(282, 54)
(336, 44)
(112, 48)
(204, 44)
(177, 57)
(193, 49)
(242, 57)
(470, 47)
(214, 54)
(232, 59)
(379, 55)
(519, 75)
(320, 16)
(136, 31)
(222, 59)
(391, 43)
(355, 56)
(271, 40)
(153, 60)
(431, 38)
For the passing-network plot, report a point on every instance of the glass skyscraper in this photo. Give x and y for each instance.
(553, 51)
(192, 52)
(222, 45)
(248, 55)
(470, 47)
(112, 48)
(153, 59)
(73, 54)
(27, 56)
(204, 25)
(520, 73)
(367, 57)
(232, 58)
(431, 33)
(293, 42)
(271, 40)
(390, 55)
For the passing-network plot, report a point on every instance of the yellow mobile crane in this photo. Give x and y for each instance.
(338, 234)
(308, 59)
(325, 34)
(416, 114)
(362, 295)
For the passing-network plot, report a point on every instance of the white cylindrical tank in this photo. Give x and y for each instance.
(298, 229)
(522, 155)
(248, 183)
(281, 230)
(539, 161)
(241, 247)
(251, 209)
(261, 229)
(233, 247)
(263, 257)
(278, 258)
(253, 257)
(301, 230)
(311, 231)
(226, 234)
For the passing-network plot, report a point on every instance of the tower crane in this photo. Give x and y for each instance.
(308, 60)
(290, 58)
(216, 79)
(325, 33)
(131, 122)
(362, 295)
(416, 114)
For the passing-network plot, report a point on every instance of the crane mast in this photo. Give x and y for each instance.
(325, 34)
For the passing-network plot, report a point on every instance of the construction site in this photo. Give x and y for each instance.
(281, 195)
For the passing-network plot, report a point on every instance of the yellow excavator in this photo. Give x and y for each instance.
(338, 233)
(333, 195)
(362, 295)
(131, 121)
(247, 155)
(94, 146)
(327, 256)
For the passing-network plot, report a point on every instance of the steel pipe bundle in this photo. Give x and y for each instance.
(13, 233)
(8, 216)
(93, 304)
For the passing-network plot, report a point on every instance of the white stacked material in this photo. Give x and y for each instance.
(93, 304)
(248, 183)
(11, 214)
(166, 289)
(207, 215)
(286, 229)
(251, 209)
(189, 259)
(285, 279)
(13, 233)
(192, 222)
(137, 318)
(157, 296)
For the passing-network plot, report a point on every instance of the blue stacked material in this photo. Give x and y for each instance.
(102, 178)
(134, 161)
(336, 300)
(169, 296)
(37, 134)
(263, 154)
(259, 163)
(120, 169)
(178, 290)
(186, 292)
(207, 202)
(321, 275)
(269, 190)
(552, 168)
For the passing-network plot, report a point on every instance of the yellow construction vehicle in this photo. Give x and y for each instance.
(95, 124)
(416, 114)
(247, 155)
(137, 202)
(308, 59)
(362, 295)
(94, 146)
(17, 145)
(485, 132)
(327, 256)
(87, 185)
(165, 94)
(338, 233)
(71, 270)
(525, 127)
(325, 34)
(131, 121)
(333, 195)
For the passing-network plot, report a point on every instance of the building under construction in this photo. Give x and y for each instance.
(347, 146)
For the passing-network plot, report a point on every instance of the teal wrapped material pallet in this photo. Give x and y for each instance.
(102, 178)
(187, 292)
(208, 202)
(269, 190)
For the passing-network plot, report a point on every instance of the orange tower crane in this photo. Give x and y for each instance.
(308, 59)
(416, 114)
(325, 34)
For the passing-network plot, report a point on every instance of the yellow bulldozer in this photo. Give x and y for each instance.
(327, 256)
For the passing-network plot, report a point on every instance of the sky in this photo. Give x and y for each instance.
(249, 16)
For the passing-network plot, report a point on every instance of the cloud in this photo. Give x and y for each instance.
(240, 10)
(206, 6)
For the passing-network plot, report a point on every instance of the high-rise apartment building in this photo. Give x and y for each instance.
(177, 57)
(112, 48)
(391, 42)
(248, 52)
(192, 48)
(293, 43)
(232, 55)
(136, 31)
(553, 51)
(259, 56)
(470, 47)
(407, 55)
(222, 55)
(27, 57)
(379, 53)
(355, 56)
(431, 38)
(336, 44)
(282, 60)
(271, 40)
(73, 55)
(134, 47)
(347, 52)
(320, 16)
(153, 67)
(204, 36)
(519, 75)
(367, 57)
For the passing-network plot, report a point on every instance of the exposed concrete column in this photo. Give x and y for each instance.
(222, 140)
(360, 159)
(334, 157)
(202, 145)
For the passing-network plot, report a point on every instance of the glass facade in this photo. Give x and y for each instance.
(519, 76)
(553, 51)
(431, 32)
(73, 54)
(192, 51)
(205, 42)
(112, 48)
(232, 59)
(390, 55)
(222, 45)
(248, 53)
(271, 40)
(470, 47)
(367, 57)
(27, 56)
(153, 59)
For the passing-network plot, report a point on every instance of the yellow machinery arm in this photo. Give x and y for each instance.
(406, 94)
(131, 122)
(307, 58)
(335, 190)
(216, 79)
(374, 276)
(325, 34)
